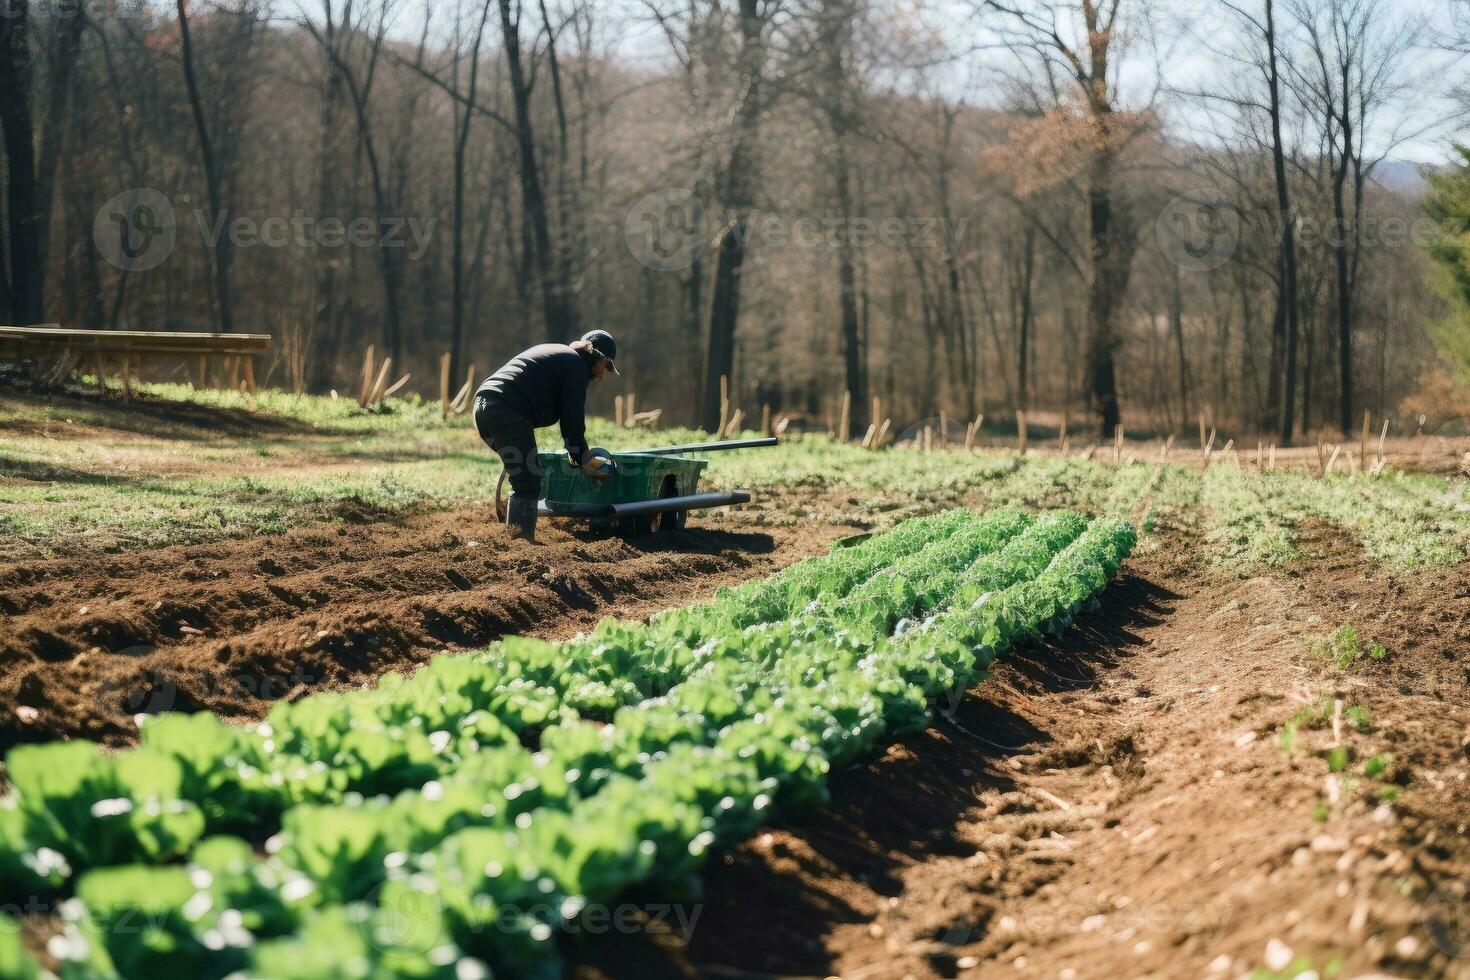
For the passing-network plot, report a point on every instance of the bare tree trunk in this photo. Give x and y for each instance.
(1111, 250)
(736, 192)
(63, 61)
(26, 269)
(1340, 245)
(560, 316)
(211, 173)
(838, 16)
(1288, 310)
(461, 144)
(1176, 327)
(326, 331)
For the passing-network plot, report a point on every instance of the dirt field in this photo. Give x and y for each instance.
(1119, 804)
(88, 641)
(1148, 796)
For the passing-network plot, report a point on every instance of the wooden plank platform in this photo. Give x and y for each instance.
(148, 342)
(69, 348)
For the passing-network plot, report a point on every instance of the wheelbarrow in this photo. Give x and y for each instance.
(644, 491)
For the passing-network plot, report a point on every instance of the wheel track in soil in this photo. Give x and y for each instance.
(233, 625)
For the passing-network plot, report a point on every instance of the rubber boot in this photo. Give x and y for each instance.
(521, 518)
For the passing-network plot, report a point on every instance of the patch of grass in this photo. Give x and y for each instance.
(1301, 967)
(168, 475)
(1345, 648)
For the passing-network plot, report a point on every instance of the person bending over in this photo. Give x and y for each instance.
(538, 387)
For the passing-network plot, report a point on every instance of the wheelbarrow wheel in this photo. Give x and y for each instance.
(668, 520)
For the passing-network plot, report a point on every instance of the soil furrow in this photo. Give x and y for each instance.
(233, 626)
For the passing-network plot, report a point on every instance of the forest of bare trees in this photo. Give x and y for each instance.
(1113, 210)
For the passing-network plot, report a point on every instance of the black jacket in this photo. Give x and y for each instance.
(547, 384)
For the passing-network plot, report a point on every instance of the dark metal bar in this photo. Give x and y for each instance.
(709, 447)
(695, 501)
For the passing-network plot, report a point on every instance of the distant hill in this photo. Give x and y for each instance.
(1401, 176)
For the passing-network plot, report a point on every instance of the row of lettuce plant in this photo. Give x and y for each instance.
(503, 849)
(75, 806)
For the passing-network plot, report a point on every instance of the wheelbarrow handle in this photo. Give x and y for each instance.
(709, 447)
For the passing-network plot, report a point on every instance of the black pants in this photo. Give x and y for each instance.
(513, 438)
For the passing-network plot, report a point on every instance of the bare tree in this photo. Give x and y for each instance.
(24, 288)
(359, 81)
(1353, 69)
(222, 247)
(463, 117)
(1035, 29)
(736, 190)
(553, 277)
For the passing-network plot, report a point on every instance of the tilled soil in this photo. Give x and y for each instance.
(232, 626)
(1119, 803)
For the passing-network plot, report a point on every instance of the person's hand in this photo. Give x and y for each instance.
(596, 467)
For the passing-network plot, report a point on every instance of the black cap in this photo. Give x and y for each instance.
(603, 343)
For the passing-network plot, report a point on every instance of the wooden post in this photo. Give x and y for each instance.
(394, 388)
(1168, 445)
(444, 385)
(1331, 460)
(943, 430)
(766, 419)
(1363, 438)
(468, 390)
(928, 439)
(234, 372)
(1202, 430)
(844, 417)
(877, 412)
(882, 433)
(203, 371)
(1379, 458)
(377, 392)
(1063, 434)
(1260, 454)
(366, 387)
(969, 436)
(868, 436)
(630, 408)
(724, 402)
(1209, 447)
(1118, 444)
(1271, 457)
(1021, 431)
(618, 411)
(101, 374)
(979, 422)
(250, 374)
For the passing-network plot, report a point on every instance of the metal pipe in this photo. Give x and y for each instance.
(695, 501)
(709, 447)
